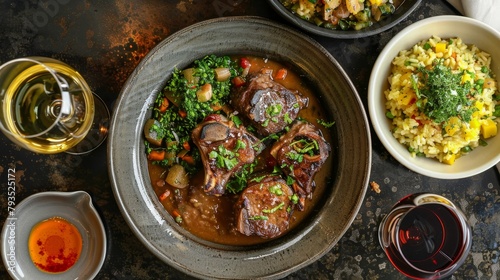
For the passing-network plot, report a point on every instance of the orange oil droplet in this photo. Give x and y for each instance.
(54, 245)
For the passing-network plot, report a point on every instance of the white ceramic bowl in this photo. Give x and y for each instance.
(472, 32)
(74, 207)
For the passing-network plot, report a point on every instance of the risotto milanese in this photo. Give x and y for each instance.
(442, 99)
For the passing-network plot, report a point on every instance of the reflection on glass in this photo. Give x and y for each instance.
(47, 107)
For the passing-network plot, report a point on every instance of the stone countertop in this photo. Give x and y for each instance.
(105, 40)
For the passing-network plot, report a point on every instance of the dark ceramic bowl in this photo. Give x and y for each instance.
(406, 8)
(129, 170)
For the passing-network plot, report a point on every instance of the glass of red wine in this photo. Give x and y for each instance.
(425, 236)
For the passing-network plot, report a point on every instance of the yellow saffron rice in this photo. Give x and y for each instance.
(453, 138)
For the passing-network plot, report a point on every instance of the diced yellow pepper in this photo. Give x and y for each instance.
(449, 159)
(479, 105)
(466, 78)
(406, 78)
(440, 47)
(488, 128)
(452, 126)
(405, 98)
(477, 114)
(471, 134)
(376, 2)
(474, 123)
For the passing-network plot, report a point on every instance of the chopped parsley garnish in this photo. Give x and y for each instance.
(274, 110)
(185, 111)
(305, 146)
(293, 155)
(273, 136)
(225, 158)
(325, 123)
(236, 120)
(265, 123)
(239, 180)
(239, 145)
(274, 209)
(441, 94)
(259, 218)
(257, 179)
(276, 189)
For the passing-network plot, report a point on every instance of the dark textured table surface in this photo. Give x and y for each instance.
(105, 40)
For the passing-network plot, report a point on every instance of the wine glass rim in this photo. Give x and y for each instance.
(389, 234)
(61, 83)
(461, 219)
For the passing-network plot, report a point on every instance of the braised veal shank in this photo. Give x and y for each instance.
(301, 152)
(264, 207)
(268, 105)
(224, 148)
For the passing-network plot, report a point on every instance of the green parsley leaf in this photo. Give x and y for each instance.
(257, 218)
(236, 120)
(274, 209)
(325, 123)
(276, 189)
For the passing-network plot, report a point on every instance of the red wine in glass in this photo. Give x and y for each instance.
(425, 236)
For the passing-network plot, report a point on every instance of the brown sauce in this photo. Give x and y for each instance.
(212, 218)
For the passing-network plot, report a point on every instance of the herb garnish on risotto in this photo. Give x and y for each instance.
(443, 98)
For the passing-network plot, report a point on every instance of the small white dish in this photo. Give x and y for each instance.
(471, 31)
(74, 207)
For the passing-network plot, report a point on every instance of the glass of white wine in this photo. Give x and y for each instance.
(47, 107)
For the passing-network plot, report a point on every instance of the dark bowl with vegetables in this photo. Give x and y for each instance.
(345, 19)
(344, 123)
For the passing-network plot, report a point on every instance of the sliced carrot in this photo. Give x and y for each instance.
(164, 105)
(182, 113)
(176, 213)
(164, 195)
(156, 155)
(238, 81)
(186, 146)
(281, 74)
(216, 107)
(189, 159)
